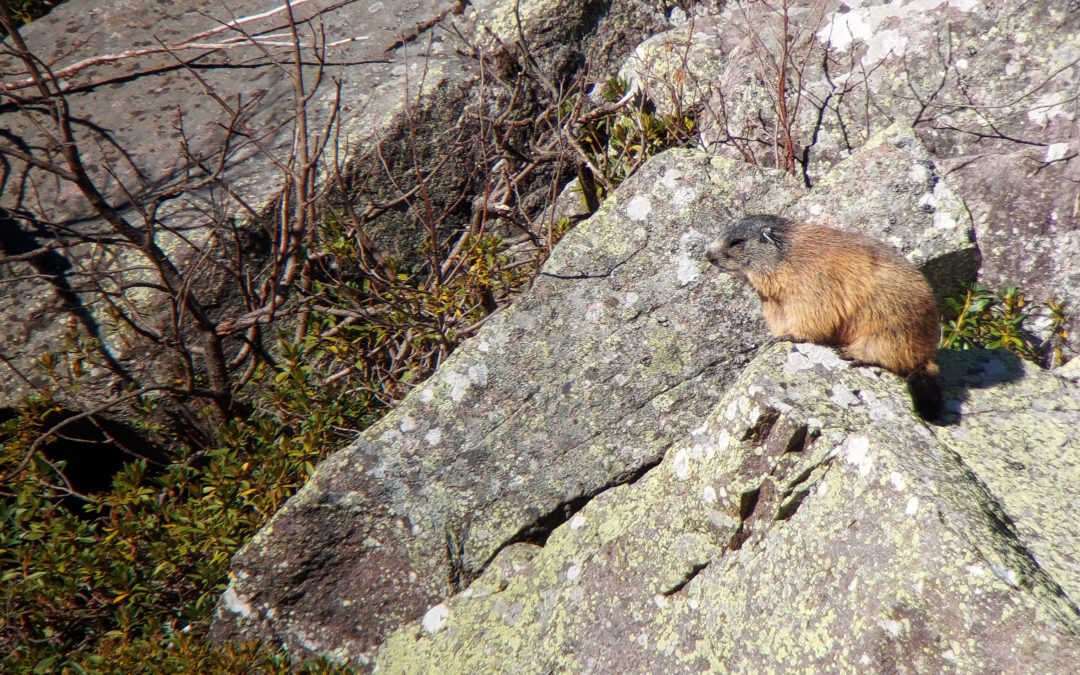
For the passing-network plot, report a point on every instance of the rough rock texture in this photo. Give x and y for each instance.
(990, 88)
(811, 523)
(623, 344)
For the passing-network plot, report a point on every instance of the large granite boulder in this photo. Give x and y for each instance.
(812, 523)
(623, 344)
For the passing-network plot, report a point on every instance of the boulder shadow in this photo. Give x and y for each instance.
(964, 370)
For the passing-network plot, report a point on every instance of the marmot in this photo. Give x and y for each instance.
(822, 285)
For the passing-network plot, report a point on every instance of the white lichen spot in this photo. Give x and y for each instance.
(723, 440)
(709, 494)
(754, 416)
(638, 208)
(660, 600)
(843, 396)
(683, 196)
(236, 603)
(976, 570)
(389, 436)
(671, 178)
(435, 618)
(375, 7)
(1056, 151)
(595, 312)
(964, 5)
(427, 395)
(891, 627)
(1006, 574)
(864, 660)
(407, 424)
(885, 43)
(433, 437)
(918, 173)
(1050, 106)
(630, 299)
(732, 410)
(478, 374)
(912, 506)
(459, 385)
(822, 489)
(857, 454)
(816, 209)
(621, 379)
(573, 572)
(484, 346)
(961, 64)
(687, 268)
(578, 522)
(944, 221)
(950, 656)
(898, 481)
(681, 464)
(805, 356)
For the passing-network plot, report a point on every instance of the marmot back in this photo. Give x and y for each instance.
(822, 285)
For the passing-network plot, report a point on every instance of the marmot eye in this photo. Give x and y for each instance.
(735, 242)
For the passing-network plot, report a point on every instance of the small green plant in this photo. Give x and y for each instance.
(618, 142)
(981, 318)
(26, 11)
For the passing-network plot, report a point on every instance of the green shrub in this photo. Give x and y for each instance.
(25, 11)
(982, 318)
(133, 575)
(618, 142)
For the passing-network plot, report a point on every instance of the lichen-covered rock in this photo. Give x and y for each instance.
(622, 345)
(811, 523)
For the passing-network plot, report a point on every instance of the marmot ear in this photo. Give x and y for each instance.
(768, 238)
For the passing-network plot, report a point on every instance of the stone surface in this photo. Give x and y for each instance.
(622, 345)
(811, 523)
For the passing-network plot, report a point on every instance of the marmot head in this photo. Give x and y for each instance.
(754, 244)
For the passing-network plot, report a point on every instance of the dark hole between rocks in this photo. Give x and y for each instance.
(93, 449)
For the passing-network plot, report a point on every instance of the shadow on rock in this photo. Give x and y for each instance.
(962, 371)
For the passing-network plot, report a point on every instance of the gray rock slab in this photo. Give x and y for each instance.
(812, 523)
(621, 346)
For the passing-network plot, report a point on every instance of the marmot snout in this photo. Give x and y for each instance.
(843, 289)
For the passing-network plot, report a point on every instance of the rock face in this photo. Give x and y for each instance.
(811, 523)
(623, 345)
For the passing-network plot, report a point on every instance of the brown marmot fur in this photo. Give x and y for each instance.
(830, 287)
